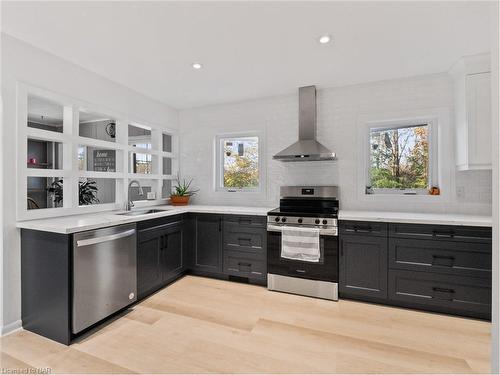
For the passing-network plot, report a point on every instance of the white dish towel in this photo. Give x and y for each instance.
(300, 243)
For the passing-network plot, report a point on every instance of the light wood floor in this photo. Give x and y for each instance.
(200, 325)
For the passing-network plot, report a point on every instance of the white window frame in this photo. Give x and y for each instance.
(71, 140)
(433, 176)
(219, 162)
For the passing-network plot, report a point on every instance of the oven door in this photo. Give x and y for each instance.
(327, 269)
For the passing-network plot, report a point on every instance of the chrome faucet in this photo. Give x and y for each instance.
(130, 203)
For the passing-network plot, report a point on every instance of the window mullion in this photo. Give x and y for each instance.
(121, 138)
(70, 159)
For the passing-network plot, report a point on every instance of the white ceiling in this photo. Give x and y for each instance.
(250, 49)
(43, 111)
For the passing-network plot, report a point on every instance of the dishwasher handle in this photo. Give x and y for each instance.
(111, 237)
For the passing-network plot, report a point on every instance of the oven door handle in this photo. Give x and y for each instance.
(322, 231)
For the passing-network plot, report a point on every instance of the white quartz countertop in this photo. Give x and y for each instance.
(79, 223)
(417, 218)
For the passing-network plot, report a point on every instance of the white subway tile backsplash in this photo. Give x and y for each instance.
(339, 111)
(476, 186)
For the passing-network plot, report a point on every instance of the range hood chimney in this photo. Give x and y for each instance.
(307, 148)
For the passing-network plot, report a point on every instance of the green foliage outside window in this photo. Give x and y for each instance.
(399, 157)
(241, 163)
(142, 163)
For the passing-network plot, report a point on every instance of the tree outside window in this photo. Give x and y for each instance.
(240, 163)
(399, 157)
(142, 163)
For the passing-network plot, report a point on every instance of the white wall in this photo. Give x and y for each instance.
(341, 113)
(495, 334)
(25, 63)
(1, 191)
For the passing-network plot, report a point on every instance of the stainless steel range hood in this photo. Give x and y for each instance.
(307, 148)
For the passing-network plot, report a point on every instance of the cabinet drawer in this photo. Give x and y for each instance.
(246, 220)
(154, 231)
(158, 222)
(240, 238)
(363, 227)
(244, 265)
(444, 293)
(448, 257)
(441, 232)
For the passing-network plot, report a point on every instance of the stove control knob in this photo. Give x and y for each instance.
(299, 221)
(325, 222)
(316, 221)
(283, 219)
(277, 219)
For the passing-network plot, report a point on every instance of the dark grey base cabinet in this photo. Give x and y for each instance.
(229, 246)
(245, 247)
(161, 253)
(363, 261)
(445, 257)
(46, 285)
(244, 265)
(467, 296)
(363, 266)
(219, 246)
(206, 230)
(439, 268)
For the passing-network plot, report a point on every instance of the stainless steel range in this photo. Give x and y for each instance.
(313, 211)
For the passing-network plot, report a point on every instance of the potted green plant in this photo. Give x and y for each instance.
(56, 190)
(181, 192)
(87, 192)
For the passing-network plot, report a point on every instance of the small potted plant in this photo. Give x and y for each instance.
(87, 192)
(181, 192)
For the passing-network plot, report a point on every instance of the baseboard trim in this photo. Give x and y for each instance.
(11, 328)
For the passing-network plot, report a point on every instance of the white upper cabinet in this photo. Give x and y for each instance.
(473, 112)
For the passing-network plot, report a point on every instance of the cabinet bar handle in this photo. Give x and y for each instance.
(449, 234)
(356, 228)
(363, 229)
(443, 290)
(443, 257)
(161, 226)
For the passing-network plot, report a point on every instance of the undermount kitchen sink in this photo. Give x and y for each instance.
(141, 212)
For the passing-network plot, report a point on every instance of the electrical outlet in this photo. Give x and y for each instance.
(460, 192)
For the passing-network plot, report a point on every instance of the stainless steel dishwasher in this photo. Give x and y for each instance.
(104, 273)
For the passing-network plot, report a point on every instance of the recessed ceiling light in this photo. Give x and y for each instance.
(197, 66)
(324, 39)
